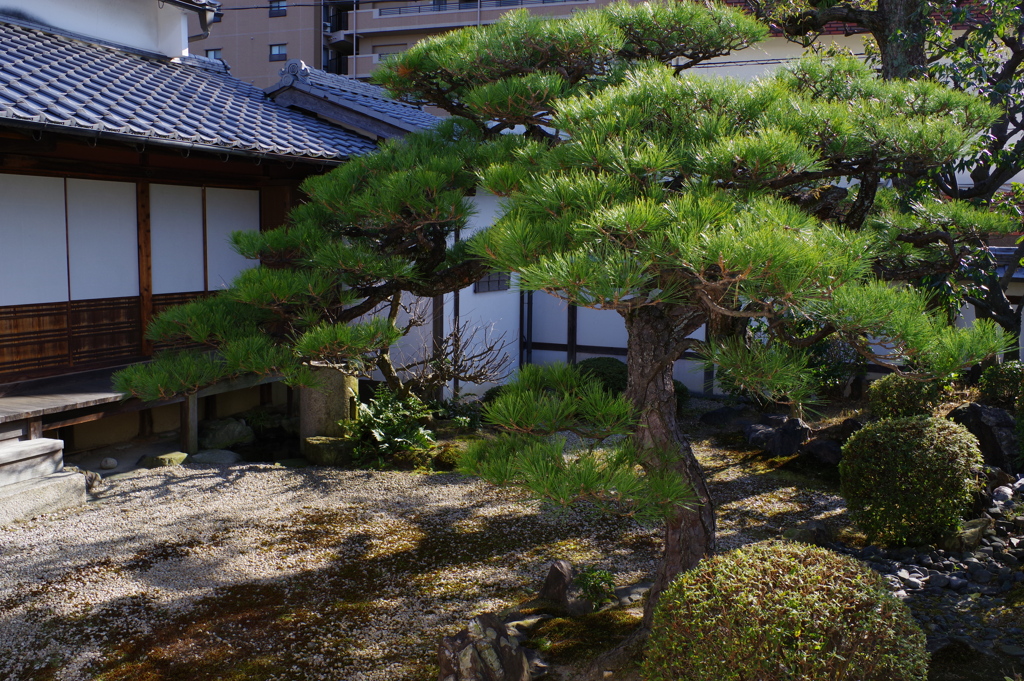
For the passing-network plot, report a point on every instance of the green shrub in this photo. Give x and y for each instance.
(833, 363)
(1001, 385)
(909, 480)
(894, 396)
(389, 431)
(612, 373)
(780, 611)
(491, 394)
(596, 585)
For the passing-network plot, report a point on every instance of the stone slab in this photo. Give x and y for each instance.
(163, 460)
(49, 494)
(27, 459)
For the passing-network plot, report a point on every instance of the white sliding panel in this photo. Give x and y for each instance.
(176, 235)
(227, 211)
(103, 239)
(33, 240)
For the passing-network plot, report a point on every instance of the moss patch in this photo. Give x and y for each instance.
(570, 641)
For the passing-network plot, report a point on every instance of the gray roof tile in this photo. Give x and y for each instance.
(58, 81)
(341, 89)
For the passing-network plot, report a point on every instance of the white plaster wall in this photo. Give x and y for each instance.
(33, 240)
(102, 239)
(550, 319)
(142, 24)
(600, 327)
(176, 235)
(765, 57)
(227, 211)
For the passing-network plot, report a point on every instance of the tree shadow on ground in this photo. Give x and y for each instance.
(361, 587)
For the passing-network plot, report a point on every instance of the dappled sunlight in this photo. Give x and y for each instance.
(257, 572)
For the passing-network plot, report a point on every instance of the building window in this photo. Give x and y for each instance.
(384, 50)
(278, 8)
(213, 54)
(495, 281)
(279, 52)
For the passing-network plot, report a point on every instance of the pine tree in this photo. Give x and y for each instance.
(915, 39)
(330, 290)
(674, 200)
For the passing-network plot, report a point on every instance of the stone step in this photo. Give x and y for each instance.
(48, 494)
(27, 459)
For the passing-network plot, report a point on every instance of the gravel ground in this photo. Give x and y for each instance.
(256, 571)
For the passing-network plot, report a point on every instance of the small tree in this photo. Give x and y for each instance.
(670, 199)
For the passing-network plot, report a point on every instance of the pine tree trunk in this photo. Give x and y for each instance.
(689, 534)
(901, 38)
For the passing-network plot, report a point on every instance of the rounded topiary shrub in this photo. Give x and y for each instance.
(909, 480)
(781, 611)
(895, 396)
(612, 373)
(1001, 385)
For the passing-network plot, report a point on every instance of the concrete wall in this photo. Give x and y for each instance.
(246, 32)
(142, 24)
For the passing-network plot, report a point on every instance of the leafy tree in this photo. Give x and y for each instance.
(673, 200)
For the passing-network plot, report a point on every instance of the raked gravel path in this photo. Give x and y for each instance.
(262, 572)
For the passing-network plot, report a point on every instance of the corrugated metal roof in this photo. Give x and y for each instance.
(57, 82)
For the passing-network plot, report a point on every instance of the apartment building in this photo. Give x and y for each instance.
(348, 37)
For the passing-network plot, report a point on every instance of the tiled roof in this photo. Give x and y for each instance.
(354, 93)
(1004, 256)
(61, 83)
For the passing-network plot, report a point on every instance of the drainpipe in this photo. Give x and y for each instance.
(206, 17)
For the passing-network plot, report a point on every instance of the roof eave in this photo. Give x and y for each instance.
(176, 144)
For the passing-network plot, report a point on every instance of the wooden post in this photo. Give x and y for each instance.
(190, 424)
(35, 429)
(145, 263)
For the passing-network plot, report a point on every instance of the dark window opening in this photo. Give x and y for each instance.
(278, 8)
(279, 52)
(495, 281)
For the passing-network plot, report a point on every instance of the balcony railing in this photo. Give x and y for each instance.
(457, 6)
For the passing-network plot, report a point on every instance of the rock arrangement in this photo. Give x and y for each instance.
(491, 647)
(948, 588)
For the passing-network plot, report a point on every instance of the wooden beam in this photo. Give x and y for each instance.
(190, 424)
(145, 263)
(343, 115)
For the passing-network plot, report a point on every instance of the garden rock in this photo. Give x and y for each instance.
(968, 538)
(108, 464)
(483, 651)
(557, 583)
(809, 532)
(328, 451)
(221, 457)
(823, 451)
(840, 432)
(164, 460)
(994, 429)
(783, 440)
(224, 433)
(1002, 494)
